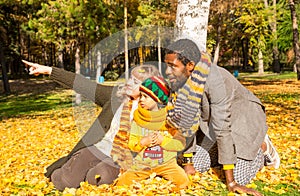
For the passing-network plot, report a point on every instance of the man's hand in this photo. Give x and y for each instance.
(234, 187)
(36, 69)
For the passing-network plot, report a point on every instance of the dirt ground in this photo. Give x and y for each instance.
(31, 85)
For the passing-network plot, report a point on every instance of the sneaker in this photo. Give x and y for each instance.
(271, 156)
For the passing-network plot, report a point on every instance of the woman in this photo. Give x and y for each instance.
(91, 158)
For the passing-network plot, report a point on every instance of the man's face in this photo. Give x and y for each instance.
(176, 72)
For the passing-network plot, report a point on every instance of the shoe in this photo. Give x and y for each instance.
(271, 156)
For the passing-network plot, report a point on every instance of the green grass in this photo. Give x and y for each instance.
(14, 105)
(292, 189)
(267, 76)
(269, 97)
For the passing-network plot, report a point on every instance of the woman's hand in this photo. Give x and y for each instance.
(37, 69)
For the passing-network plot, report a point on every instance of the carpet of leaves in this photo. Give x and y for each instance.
(29, 143)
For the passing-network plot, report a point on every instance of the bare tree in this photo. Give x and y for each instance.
(3, 65)
(295, 37)
(192, 20)
(273, 25)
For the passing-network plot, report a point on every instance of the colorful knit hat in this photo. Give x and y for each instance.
(157, 88)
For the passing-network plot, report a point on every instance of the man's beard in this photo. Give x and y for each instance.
(180, 81)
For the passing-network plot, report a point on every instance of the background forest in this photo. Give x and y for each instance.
(50, 32)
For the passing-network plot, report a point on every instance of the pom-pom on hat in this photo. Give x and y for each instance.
(157, 88)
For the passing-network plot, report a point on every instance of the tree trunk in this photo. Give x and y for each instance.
(217, 49)
(260, 62)
(245, 48)
(126, 42)
(18, 63)
(77, 70)
(61, 58)
(28, 49)
(45, 55)
(276, 63)
(51, 55)
(216, 54)
(159, 50)
(99, 66)
(4, 72)
(192, 20)
(273, 25)
(295, 37)
(140, 51)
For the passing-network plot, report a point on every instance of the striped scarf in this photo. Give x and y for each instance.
(185, 115)
(120, 153)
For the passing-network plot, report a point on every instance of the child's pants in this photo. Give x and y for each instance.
(169, 170)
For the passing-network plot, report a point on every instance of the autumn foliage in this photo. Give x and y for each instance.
(31, 142)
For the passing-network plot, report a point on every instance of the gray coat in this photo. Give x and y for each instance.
(101, 95)
(233, 116)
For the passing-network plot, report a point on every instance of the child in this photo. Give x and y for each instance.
(156, 144)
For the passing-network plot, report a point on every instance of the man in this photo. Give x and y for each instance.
(229, 117)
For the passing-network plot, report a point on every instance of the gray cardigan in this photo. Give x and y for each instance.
(233, 116)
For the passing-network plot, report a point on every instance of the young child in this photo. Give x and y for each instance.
(155, 144)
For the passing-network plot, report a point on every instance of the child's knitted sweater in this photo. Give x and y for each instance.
(146, 122)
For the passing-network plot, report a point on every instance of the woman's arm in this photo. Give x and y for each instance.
(97, 93)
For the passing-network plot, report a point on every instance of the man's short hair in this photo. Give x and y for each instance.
(186, 51)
